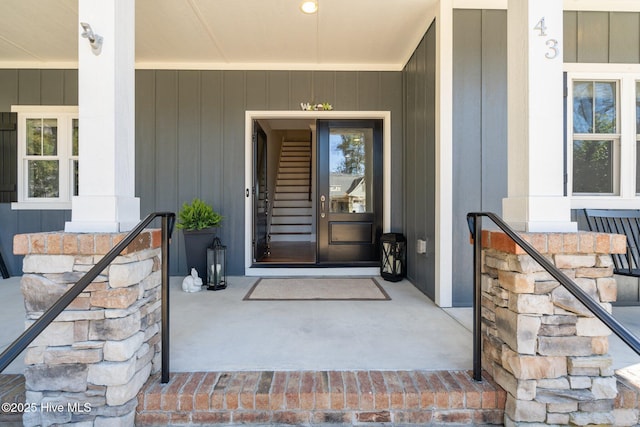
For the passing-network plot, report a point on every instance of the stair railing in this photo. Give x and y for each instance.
(474, 221)
(32, 332)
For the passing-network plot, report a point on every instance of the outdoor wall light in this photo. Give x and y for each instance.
(309, 6)
(94, 40)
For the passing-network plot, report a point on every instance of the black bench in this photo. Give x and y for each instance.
(616, 221)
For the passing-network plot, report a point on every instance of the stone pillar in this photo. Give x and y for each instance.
(89, 364)
(539, 342)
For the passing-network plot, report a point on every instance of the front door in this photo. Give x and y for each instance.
(349, 220)
(260, 194)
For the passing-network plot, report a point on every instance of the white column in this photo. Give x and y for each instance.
(535, 199)
(444, 155)
(106, 104)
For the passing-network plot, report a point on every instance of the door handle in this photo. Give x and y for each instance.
(322, 199)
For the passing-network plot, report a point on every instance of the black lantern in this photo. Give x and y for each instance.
(216, 266)
(394, 256)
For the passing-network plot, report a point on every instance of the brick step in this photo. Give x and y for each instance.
(12, 390)
(320, 397)
(627, 403)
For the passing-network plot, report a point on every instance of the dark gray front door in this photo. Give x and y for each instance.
(350, 204)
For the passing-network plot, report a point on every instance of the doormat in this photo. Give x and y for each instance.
(317, 289)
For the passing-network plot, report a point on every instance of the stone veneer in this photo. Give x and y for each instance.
(89, 364)
(539, 342)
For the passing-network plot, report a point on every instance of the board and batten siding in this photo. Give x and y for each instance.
(480, 114)
(602, 37)
(190, 138)
(479, 130)
(419, 169)
(32, 87)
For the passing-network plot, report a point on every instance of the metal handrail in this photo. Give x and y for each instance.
(32, 332)
(3, 268)
(474, 220)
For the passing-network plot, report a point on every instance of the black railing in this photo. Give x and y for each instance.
(3, 268)
(474, 220)
(32, 332)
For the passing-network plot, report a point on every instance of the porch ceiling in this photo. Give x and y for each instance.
(227, 34)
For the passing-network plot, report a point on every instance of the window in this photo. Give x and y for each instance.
(595, 137)
(47, 156)
(603, 136)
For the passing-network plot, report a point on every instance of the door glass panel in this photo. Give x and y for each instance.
(351, 169)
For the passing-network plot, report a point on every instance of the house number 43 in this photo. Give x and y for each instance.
(552, 44)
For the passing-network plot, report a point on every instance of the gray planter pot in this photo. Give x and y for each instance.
(196, 243)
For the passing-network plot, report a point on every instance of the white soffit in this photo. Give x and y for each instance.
(34, 31)
(228, 34)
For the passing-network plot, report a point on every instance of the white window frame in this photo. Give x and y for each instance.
(626, 75)
(64, 116)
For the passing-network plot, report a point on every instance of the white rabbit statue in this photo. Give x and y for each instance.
(192, 283)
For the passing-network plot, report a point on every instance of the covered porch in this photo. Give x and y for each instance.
(220, 331)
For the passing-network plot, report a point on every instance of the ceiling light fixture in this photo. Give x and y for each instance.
(309, 6)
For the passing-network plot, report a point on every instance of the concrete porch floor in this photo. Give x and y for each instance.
(219, 331)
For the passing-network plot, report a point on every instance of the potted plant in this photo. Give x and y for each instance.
(198, 221)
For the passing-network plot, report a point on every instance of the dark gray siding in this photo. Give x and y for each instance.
(32, 87)
(419, 169)
(602, 37)
(480, 115)
(479, 130)
(190, 135)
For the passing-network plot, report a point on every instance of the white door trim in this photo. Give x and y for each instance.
(250, 116)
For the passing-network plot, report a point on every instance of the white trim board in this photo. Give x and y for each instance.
(250, 116)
